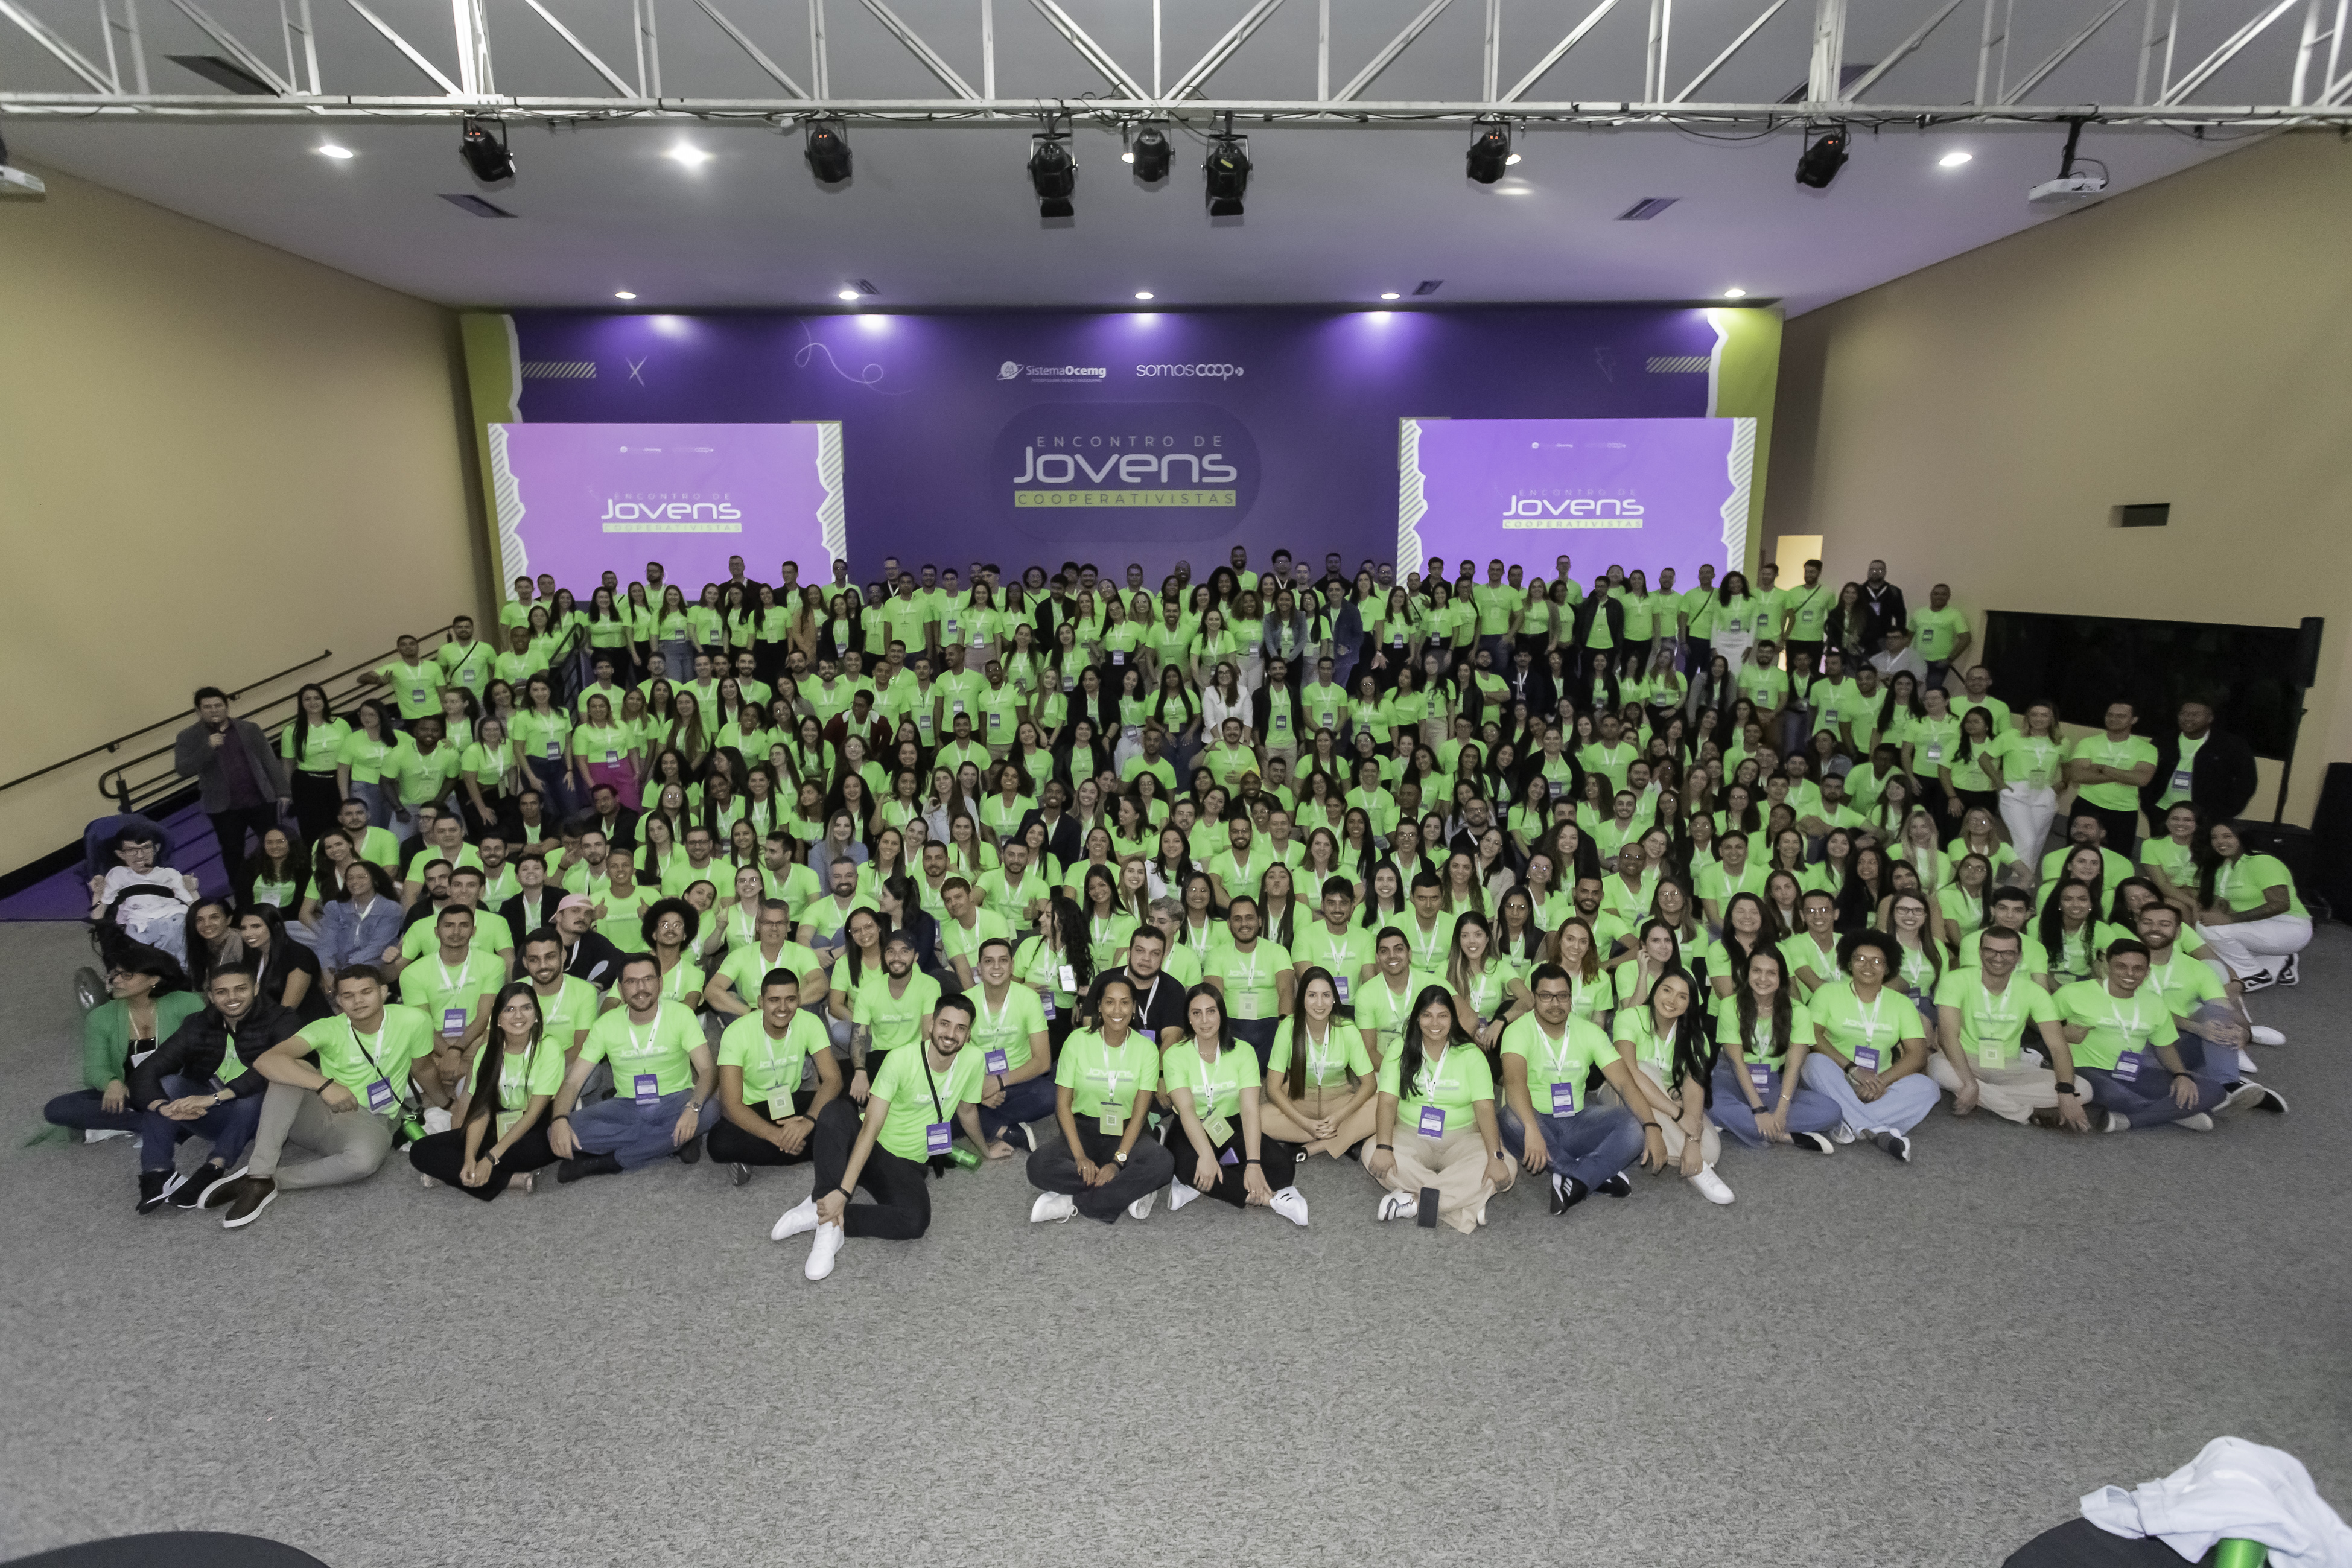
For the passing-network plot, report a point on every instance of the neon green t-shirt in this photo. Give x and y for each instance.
(1455, 1085)
(648, 1059)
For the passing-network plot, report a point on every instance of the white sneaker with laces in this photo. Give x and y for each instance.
(1052, 1205)
(2200, 1123)
(1400, 1206)
(824, 1250)
(1711, 1185)
(1178, 1194)
(2115, 1123)
(1291, 1204)
(1841, 1134)
(799, 1218)
(1141, 1207)
(2264, 1035)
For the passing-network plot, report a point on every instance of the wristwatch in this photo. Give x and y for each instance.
(1120, 1156)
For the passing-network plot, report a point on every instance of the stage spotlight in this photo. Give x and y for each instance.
(1820, 162)
(1053, 174)
(1227, 172)
(1150, 155)
(489, 160)
(827, 151)
(1491, 153)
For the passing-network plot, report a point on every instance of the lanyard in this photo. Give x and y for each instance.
(1318, 1064)
(2116, 1016)
(924, 1052)
(1556, 1052)
(448, 982)
(1428, 949)
(1249, 980)
(1869, 1024)
(1205, 1101)
(1432, 1075)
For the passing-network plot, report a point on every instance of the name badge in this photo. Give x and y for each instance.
(937, 1136)
(611, 755)
(1339, 984)
(2180, 780)
(1563, 1099)
(1112, 1122)
(996, 1061)
(1117, 656)
(554, 750)
(959, 705)
(1433, 1121)
(453, 1020)
(379, 1095)
(2128, 1064)
(647, 1087)
(1866, 1058)
(1068, 978)
(416, 693)
(1934, 752)
(1760, 1076)
(1219, 1128)
(996, 721)
(779, 1105)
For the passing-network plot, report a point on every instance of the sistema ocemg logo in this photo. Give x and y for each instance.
(1170, 470)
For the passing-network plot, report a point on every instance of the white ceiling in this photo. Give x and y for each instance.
(943, 217)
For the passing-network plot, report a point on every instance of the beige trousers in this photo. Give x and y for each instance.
(1455, 1165)
(2012, 1094)
(1710, 1143)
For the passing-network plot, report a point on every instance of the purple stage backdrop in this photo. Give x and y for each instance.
(1645, 493)
(576, 499)
(1016, 436)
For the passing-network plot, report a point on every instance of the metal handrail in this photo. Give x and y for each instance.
(117, 742)
(114, 783)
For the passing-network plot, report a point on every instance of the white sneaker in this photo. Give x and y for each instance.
(1710, 1186)
(1141, 1207)
(436, 1119)
(2262, 1035)
(1841, 1134)
(823, 1250)
(99, 1135)
(1052, 1205)
(1178, 1194)
(1400, 1206)
(2115, 1123)
(1291, 1204)
(2200, 1123)
(799, 1218)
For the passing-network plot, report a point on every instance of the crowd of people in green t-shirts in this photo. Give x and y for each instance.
(1458, 875)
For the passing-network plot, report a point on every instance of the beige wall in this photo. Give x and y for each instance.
(215, 460)
(1975, 421)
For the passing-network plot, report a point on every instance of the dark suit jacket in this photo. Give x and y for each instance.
(1612, 607)
(519, 920)
(1881, 615)
(1535, 691)
(2221, 776)
(1062, 840)
(623, 833)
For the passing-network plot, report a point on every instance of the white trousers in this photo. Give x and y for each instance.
(2252, 945)
(2027, 813)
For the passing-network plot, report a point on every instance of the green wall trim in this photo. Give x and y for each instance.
(1746, 375)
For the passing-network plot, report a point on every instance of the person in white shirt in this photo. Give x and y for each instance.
(1899, 656)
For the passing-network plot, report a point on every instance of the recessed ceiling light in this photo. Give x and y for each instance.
(1954, 160)
(622, 294)
(1735, 293)
(1512, 159)
(1143, 294)
(328, 149)
(1392, 294)
(687, 153)
(846, 294)
(1518, 189)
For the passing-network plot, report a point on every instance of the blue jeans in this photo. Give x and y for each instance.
(632, 1133)
(1258, 1035)
(1808, 1111)
(2147, 1100)
(84, 1111)
(1591, 1145)
(1031, 1100)
(229, 1127)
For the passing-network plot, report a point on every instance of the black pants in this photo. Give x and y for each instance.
(230, 828)
(1278, 1160)
(1985, 800)
(901, 1209)
(731, 1144)
(2123, 827)
(442, 1157)
(1054, 1168)
(316, 799)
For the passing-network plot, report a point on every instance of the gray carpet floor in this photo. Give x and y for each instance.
(1857, 1363)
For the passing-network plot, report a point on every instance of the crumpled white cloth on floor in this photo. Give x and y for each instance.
(2233, 1487)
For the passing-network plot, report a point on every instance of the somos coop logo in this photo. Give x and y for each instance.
(1162, 470)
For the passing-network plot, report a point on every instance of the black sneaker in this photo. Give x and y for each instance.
(218, 1190)
(189, 1191)
(1571, 1193)
(1559, 1192)
(1616, 1187)
(1029, 1134)
(737, 1174)
(1812, 1142)
(1895, 1144)
(2288, 972)
(688, 1153)
(252, 1195)
(571, 1170)
(153, 1186)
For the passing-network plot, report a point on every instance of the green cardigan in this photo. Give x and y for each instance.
(106, 1034)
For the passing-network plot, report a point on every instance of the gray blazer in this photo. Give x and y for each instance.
(192, 757)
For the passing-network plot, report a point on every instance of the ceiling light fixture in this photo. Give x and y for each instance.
(1953, 160)
(1392, 294)
(827, 151)
(848, 294)
(1735, 293)
(1821, 160)
(1053, 172)
(1226, 172)
(1491, 152)
(1151, 155)
(490, 161)
(1143, 294)
(687, 153)
(328, 149)
(622, 294)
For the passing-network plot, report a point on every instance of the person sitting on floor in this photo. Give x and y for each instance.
(201, 1082)
(664, 1083)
